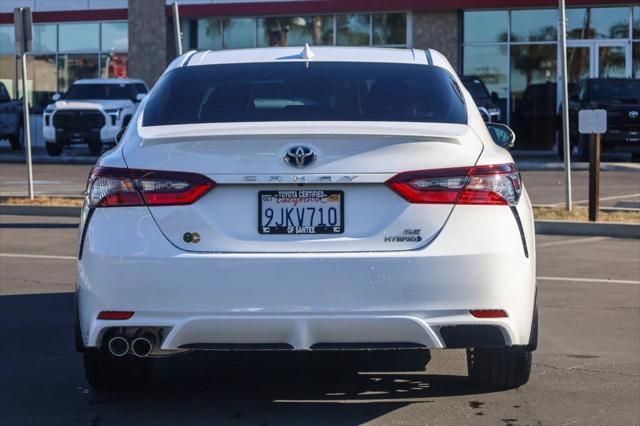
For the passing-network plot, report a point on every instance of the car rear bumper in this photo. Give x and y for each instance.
(622, 140)
(311, 300)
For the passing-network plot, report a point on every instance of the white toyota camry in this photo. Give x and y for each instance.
(320, 199)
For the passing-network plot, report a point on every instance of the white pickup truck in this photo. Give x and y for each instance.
(91, 112)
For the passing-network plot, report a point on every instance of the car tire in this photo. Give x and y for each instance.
(95, 147)
(17, 139)
(500, 368)
(54, 149)
(107, 372)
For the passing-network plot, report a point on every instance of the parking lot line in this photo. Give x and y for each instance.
(37, 256)
(613, 197)
(589, 280)
(571, 241)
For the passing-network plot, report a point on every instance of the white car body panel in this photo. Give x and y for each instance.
(236, 286)
(375, 151)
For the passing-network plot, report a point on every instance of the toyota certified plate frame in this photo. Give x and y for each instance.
(336, 199)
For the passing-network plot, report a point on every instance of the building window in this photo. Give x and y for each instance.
(209, 33)
(74, 66)
(636, 59)
(486, 26)
(381, 29)
(295, 31)
(534, 25)
(490, 64)
(115, 37)
(603, 22)
(114, 65)
(63, 53)
(7, 66)
(7, 39)
(389, 29)
(41, 72)
(352, 30)
(533, 94)
(79, 37)
(45, 38)
(515, 53)
(238, 33)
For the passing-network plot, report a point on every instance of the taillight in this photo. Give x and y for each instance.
(117, 187)
(488, 313)
(494, 184)
(115, 315)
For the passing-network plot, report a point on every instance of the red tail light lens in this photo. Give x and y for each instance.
(488, 313)
(117, 187)
(493, 185)
(115, 315)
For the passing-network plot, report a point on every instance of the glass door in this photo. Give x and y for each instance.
(598, 59)
(612, 59)
(579, 63)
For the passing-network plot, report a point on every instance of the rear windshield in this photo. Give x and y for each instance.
(101, 91)
(615, 90)
(321, 91)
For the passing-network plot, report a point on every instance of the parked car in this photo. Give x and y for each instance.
(11, 119)
(91, 112)
(621, 98)
(488, 104)
(340, 199)
(534, 117)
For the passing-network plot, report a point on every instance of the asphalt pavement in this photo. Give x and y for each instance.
(586, 370)
(618, 188)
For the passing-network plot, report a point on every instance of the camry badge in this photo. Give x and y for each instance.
(299, 156)
(634, 114)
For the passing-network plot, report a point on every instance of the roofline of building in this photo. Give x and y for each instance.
(296, 7)
(71, 16)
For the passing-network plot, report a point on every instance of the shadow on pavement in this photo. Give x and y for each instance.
(42, 381)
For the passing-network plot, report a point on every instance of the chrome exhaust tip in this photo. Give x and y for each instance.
(141, 347)
(118, 346)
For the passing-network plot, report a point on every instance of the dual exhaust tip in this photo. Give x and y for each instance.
(141, 347)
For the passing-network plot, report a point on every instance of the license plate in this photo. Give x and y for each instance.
(300, 211)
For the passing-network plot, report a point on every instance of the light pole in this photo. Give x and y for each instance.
(562, 41)
(176, 28)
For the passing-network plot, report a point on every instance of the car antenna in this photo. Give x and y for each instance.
(307, 54)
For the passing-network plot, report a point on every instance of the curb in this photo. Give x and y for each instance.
(593, 229)
(50, 160)
(59, 211)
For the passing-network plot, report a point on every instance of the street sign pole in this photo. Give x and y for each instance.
(562, 40)
(593, 122)
(594, 178)
(26, 128)
(176, 28)
(22, 23)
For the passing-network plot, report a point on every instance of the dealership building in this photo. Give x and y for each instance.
(510, 44)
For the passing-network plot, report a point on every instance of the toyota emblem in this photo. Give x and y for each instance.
(634, 114)
(299, 156)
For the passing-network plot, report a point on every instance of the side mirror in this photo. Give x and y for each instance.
(56, 97)
(502, 135)
(120, 135)
(140, 96)
(495, 98)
